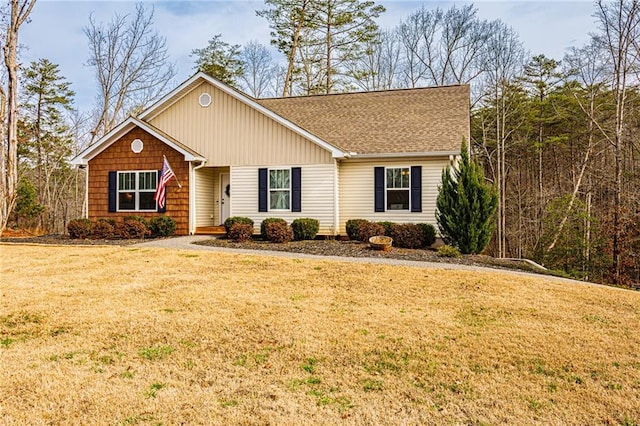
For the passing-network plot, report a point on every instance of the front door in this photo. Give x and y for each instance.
(225, 197)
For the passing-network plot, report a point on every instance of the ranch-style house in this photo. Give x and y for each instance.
(372, 155)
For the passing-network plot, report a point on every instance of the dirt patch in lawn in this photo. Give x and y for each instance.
(133, 335)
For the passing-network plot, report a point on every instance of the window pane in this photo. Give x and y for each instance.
(279, 200)
(398, 177)
(390, 178)
(127, 201)
(279, 179)
(126, 181)
(405, 177)
(147, 180)
(146, 201)
(398, 200)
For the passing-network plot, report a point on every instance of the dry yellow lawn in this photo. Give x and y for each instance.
(122, 335)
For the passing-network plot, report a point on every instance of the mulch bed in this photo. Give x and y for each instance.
(65, 240)
(358, 249)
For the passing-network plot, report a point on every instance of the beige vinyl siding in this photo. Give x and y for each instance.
(230, 132)
(357, 190)
(205, 181)
(317, 195)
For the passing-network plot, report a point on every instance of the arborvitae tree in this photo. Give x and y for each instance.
(466, 206)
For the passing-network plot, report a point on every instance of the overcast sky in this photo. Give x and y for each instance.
(56, 29)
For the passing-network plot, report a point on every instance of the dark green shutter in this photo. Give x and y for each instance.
(416, 189)
(378, 189)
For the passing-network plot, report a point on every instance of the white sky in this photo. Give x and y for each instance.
(56, 29)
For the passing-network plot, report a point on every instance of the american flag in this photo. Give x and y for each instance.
(165, 176)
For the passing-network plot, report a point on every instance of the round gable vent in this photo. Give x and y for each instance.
(136, 146)
(204, 100)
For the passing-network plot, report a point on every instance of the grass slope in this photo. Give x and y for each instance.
(116, 335)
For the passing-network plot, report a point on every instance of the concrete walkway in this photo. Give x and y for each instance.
(186, 243)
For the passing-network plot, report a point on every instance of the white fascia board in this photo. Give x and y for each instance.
(356, 157)
(153, 111)
(102, 143)
(123, 128)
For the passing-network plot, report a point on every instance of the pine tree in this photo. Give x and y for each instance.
(465, 206)
(220, 60)
(46, 142)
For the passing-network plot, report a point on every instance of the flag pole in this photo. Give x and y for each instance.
(174, 173)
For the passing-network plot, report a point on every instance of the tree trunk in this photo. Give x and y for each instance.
(19, 12)
(291, 57)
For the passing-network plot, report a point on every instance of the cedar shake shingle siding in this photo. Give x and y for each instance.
(119, 157)
(384, 122)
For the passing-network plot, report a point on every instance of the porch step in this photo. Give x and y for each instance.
(210, 230)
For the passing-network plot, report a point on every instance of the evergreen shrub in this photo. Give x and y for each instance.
(407, 235)
(162, 226)
(352, 226)
(305, 228)
(429, 232)
(387, 227)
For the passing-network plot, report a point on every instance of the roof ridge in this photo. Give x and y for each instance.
(366, 92)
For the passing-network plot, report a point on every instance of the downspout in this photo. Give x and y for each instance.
(192, 196)
(336, 198)
(86, 192)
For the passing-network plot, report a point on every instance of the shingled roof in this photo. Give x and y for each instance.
(433, 119)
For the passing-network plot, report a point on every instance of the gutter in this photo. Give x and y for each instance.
(355, 156)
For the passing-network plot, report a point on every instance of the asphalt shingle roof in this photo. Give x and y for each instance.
(383, 122)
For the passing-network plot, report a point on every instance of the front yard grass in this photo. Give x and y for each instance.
(127, 335)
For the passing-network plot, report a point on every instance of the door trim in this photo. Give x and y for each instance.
(223, 197)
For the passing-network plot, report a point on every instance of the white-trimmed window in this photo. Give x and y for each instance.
(398, 184)
(280, 189)
(136, 190)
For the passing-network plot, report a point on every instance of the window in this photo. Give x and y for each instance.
(279, 189)
(136, 190)
(398, 188)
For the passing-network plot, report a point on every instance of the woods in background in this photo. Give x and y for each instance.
(557, 137)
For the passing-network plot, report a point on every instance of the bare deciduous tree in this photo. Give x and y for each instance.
(619, 31)
(503, 60)
(258, 69)
(131, 64)
(18, 14)
(587, 66)
(379, 66)
(448, 45)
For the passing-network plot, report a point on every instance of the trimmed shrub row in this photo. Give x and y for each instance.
(273, 229)
(406, 235)
(130, 227)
